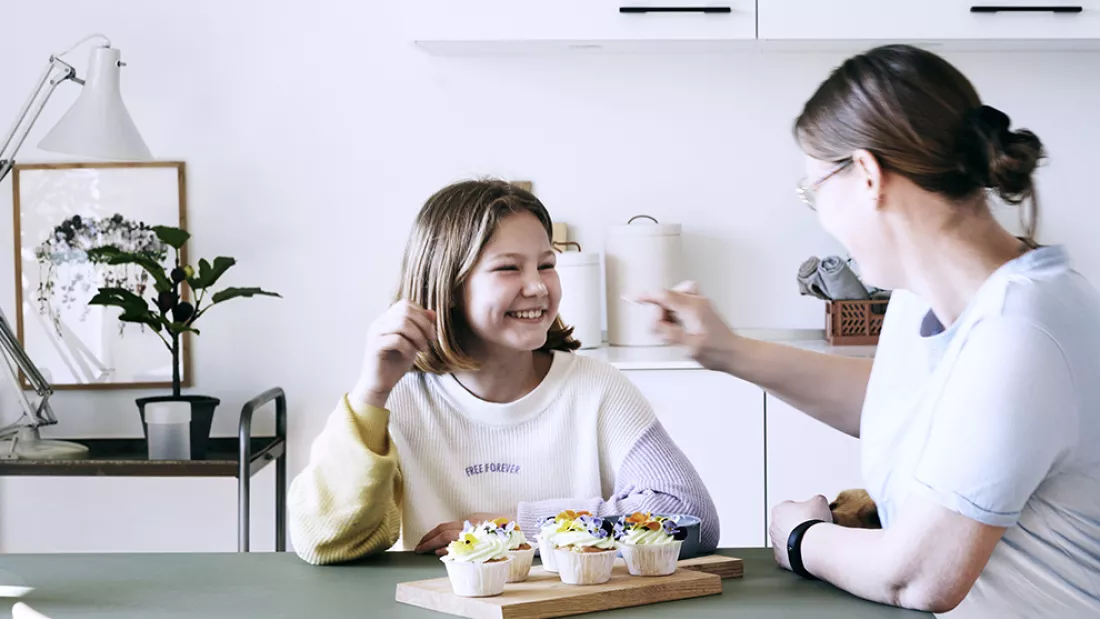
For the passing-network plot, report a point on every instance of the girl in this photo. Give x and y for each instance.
(471, 404)
(979, 417)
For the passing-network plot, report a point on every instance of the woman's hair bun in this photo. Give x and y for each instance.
(998, 157)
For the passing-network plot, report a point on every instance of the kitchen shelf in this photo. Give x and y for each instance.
(241, 457)
(632, 358)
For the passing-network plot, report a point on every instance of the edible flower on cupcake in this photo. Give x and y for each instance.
(585, 533)
(508, 529)
(645, 528)
(477, 545)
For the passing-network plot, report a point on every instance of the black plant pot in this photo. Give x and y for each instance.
(202, 417)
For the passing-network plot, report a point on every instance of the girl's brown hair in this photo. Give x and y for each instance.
(447, 239)
(922, 119)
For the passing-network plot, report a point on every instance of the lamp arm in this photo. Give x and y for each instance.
(19, 118)
(39, 414)
(27, 116)
(15, 359)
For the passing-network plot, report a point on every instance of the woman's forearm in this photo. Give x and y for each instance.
(851, 559)
(895, 568)
(829, 388)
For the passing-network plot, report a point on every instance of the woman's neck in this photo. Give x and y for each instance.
(947, 264)
(505, 376)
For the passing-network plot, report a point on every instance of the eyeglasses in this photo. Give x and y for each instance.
(806, 192)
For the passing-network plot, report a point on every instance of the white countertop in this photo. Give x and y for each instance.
(676, 358)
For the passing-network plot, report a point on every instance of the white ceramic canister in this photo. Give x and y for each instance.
(640, 256)
(581, 290)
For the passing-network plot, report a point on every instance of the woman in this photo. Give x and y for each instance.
(978, 417)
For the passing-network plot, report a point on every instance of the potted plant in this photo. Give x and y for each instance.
(170, 315)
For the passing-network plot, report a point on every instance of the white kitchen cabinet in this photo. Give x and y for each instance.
(806, 457)
(718, 422)
(444, 26)
(943, 20)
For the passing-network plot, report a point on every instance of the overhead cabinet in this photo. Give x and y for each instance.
(944, 20)
(441, 25)
(505, 26)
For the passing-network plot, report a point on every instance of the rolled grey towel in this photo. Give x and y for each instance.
(840, 282)
(809, 279)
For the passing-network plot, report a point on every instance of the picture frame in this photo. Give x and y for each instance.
(62, 209)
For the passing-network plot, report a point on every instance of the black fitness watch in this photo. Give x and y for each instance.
(794, 549)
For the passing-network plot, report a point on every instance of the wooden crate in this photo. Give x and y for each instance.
(854, 323)
(543, 595)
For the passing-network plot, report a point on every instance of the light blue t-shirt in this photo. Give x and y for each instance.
(998, 418)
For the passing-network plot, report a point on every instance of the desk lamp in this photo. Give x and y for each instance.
(97, 126)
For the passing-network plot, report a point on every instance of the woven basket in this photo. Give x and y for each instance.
(854, 323)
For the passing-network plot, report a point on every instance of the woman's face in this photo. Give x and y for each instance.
(847, 197)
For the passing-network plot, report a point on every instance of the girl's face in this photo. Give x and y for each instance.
(510, 299)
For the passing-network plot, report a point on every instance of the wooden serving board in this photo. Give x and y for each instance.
(543, 595)
(726, 567)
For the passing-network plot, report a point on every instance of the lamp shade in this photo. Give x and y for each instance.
(98, 125)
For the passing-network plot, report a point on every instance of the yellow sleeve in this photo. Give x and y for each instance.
(346, 503)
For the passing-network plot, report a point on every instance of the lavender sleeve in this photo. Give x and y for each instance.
(655, 476)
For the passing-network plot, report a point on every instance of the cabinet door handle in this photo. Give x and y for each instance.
(1026, 9)
(675, 9)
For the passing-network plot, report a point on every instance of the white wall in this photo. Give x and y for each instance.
(312, 133)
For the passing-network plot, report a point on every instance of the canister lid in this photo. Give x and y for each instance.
(644, 225)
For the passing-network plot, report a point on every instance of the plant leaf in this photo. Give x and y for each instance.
(174, 237)
(144, 317)
(118, 297)
(101, 254)
(209, 274)
(113, 255)
(134, 308)
(233, 293)
(179, 327)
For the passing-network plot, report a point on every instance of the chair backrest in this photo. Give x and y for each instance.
(22, 611)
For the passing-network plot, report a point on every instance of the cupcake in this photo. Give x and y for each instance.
(585, 551)
(650, 544)
(548, 528)
(477, 562)
(519, 549)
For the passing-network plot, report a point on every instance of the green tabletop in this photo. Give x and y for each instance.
(271, 585)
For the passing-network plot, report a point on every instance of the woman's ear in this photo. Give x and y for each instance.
(871, 174)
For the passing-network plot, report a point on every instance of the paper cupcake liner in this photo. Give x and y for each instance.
(584, 568)
(478, 579)
(546, 551)
(521, 564)
(651, 559)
